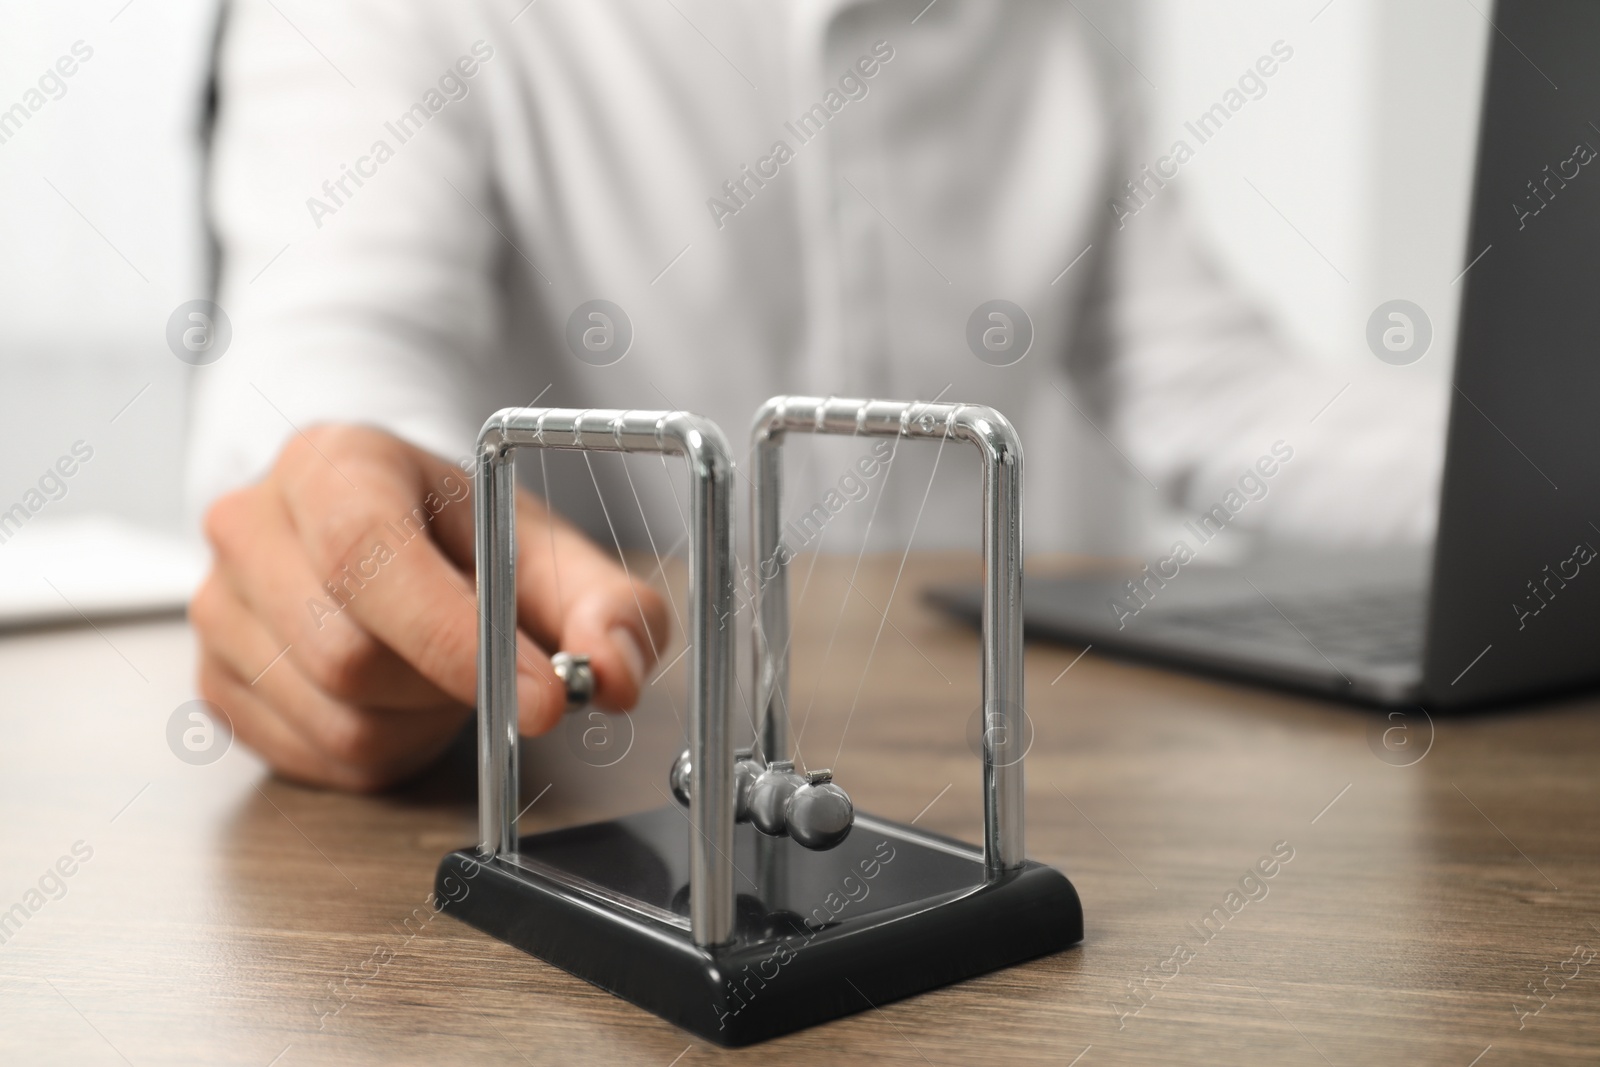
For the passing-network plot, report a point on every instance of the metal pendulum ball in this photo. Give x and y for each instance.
(779, 801)
(819, 813)
(574, 672)
(746, 769)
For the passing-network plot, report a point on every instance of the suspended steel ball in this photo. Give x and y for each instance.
(678, 777)
(819, 813)
(575, 673)
(769, 797)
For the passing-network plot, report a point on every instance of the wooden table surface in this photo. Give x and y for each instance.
(211, 910)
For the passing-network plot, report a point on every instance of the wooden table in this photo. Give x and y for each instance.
(220, 907)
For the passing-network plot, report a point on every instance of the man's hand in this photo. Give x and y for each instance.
(352, 560)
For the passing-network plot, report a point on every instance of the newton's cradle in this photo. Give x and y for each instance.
(770, 904)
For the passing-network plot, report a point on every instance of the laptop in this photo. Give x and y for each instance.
(1507, 604)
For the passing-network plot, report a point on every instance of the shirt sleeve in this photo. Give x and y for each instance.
(350, 195)
(1203, 386)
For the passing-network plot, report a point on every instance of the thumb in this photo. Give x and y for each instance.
(573, 597)
(621, 627)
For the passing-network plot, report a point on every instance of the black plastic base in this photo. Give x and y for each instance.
(891, 912)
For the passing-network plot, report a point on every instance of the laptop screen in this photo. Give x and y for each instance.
(1516, 590)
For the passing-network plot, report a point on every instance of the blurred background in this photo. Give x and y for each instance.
(1366, 142)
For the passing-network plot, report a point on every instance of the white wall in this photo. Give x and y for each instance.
(1364, 141)
(84, 321)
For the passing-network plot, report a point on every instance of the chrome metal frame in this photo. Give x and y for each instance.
(1004, 738)
(711, 658)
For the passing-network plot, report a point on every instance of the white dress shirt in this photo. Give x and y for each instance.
(413, 198)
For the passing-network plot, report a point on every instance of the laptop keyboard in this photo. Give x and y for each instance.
(1363, 625)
